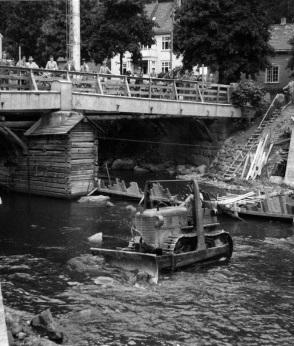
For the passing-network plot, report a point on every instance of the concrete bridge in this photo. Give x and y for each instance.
(48, 121)
(111, 96)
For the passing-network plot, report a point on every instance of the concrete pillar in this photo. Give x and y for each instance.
(289, 176)
(1, 37)
(65, 89)
(75, 36)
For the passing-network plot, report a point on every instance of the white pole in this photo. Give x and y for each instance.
(75, 36)
(1, 36)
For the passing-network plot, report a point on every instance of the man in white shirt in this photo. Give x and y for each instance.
(51, 64)
(31, 63)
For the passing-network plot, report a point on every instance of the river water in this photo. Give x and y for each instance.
(247, 302)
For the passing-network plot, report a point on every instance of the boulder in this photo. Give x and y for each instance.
(21, 277)
(140, 170)
(154, 167)
(131, 209)
(123, 164)
(96, 238)
(100, 199)
(37, 341)
(171, 171)
(201, 169)
(85, 264)
(104, 281)
(109, 204)
(46, 326)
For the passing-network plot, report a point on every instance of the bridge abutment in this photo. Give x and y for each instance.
(61, 159)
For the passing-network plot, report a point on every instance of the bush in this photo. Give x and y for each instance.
(247, 93)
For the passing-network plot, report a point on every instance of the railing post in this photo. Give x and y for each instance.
(199, 92)
(33, 84)
(127, 86)
(99, 85)
(175, 90)
(217, 94)
(150, 90)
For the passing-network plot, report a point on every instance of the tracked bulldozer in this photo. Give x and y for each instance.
(170, 234)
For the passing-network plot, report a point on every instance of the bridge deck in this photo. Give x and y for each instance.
(112, 96)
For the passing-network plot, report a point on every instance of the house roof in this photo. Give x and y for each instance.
(57, 123)
(161, 13)
(280, 36)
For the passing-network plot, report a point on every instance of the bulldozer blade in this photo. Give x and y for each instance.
(131, 261)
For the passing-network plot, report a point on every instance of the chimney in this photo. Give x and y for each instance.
(283, 21)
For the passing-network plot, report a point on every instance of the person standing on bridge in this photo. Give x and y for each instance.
(104, 69)
(69, 66)
(51, 64)
(84, 67)
(153, 74)
(31, 63)
(22, 62)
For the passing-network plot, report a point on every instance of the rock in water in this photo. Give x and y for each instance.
(96, 238)
(104, 281)
(100, 199)
(124, 164)
(131, 208)
(201, 169)
(45, 324)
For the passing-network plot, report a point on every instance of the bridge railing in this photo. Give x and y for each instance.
(17, 78)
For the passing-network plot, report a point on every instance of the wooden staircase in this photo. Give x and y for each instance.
(234, 169)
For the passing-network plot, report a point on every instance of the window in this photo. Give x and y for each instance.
(165, 66)
(124, 68)
(165, 42)
(146, 47)
(272, 74)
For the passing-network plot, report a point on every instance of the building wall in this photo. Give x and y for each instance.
(154, 55)
(280, 60)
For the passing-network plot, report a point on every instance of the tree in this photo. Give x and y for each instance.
(21, 27)
(279, 9)
(229, 36)
(124, 27)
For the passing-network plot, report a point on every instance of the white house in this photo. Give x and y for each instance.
(159, 55)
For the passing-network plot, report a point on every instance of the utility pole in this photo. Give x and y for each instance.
(1, 36)
(74, 44)
(171, 42)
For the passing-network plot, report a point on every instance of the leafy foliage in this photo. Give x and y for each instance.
(230, 36)
(108, 27)
(124, 27)
(247, 93)
(279, 9)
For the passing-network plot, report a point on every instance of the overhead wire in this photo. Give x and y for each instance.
(154, 142)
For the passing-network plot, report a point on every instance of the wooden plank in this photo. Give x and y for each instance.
(278, 216)
(79, 150)
(3, 328)
(47, 147)
(81, 161)
(90, 156)
(82, 145)
(60, 194)
(82, 177)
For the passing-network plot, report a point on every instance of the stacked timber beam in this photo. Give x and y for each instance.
(270, 205)
(61, 158)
